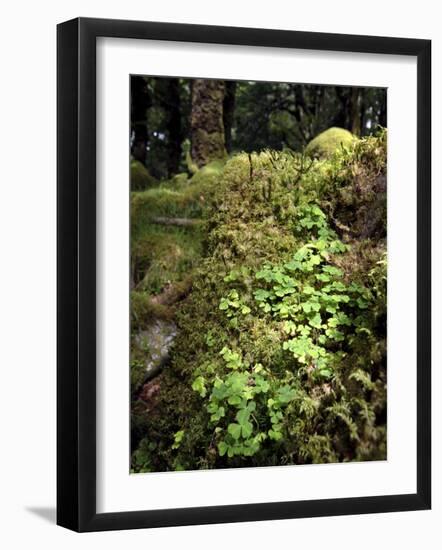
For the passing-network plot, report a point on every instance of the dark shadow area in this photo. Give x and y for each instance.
(46, 513)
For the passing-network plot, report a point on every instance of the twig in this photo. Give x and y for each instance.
(182, 222)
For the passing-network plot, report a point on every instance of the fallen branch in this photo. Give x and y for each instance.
(172, 293)
(182, 222)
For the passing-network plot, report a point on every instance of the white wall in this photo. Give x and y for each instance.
(27, 289)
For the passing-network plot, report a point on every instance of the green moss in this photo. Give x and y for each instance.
(162, 256)
(179, 180)
(356, 191)
(143, 310)
(211, 146)
(175, 199)
(140, 178)
(328, 142)
(209, 174)
(192, 167)
(260, 209)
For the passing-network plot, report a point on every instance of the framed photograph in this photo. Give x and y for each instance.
(243, 274)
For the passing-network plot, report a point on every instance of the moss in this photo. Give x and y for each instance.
(211, 146)
(328, 142)
(355, 197)
(192, 167)
(252, 207)
(179, 180)
(209, 174)
(143, 310)
(162, 256)
(172, 199)
(156, 427)
(140, 178)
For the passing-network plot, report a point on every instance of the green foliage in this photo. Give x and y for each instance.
(308, 293)
(177, 439)
(137, 374)
(279, 115)
(249, 405)
(246, 406)
(280, 356)
(141, 459)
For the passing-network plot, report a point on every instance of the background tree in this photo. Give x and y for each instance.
(140, 103)
(207, 125)
(218, 116)
(167, 94)
(229, 112)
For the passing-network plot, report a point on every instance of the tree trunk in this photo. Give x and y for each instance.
(140, 102)
(383, 108)
(206, 121)
(341, 117)
(363, 112)
(355, 112)
(173, 126)
(228, 112)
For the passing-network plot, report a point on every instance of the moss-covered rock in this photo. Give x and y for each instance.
(180, 180)
(209, 173)
(140, 179)
(143, 309)
(155, 341)
(326, 143)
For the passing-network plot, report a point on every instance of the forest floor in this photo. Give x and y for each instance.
(166, 246)
(258, 312)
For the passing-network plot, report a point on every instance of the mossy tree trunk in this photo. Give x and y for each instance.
(206, 121)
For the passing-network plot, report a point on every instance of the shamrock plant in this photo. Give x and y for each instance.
(233, 306)
(309, 294)
(249, 406)
(245, 406)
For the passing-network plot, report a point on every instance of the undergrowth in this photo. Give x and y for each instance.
(280, 356)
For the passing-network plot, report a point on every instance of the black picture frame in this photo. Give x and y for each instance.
(76, 274)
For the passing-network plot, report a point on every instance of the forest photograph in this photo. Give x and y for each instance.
(258, 274)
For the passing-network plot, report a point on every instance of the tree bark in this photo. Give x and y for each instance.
(206, 121)
(174, 126)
